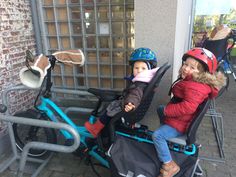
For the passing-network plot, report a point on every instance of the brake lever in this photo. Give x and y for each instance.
(29, 56)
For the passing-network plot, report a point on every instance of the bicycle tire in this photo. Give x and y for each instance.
(26, 133)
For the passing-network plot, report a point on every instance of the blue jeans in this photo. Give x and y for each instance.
(159, 137)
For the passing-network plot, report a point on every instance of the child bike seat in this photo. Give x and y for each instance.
(130, 118)
(190, 136)
(217, 47)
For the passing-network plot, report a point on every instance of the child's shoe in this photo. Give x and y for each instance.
(169, 169)
(95, 128)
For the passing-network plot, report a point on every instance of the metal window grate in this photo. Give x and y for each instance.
(103, 29)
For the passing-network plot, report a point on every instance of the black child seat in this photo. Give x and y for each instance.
(133, 116)
(135, 156)
(217, 47)
(130, 118)
(190, 137)
(187, 142)
(105, 138)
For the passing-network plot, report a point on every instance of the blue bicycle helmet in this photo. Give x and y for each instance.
(144, 54)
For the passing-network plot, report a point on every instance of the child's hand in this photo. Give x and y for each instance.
(129, 107)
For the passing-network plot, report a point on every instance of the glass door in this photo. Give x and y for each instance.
(209, 14)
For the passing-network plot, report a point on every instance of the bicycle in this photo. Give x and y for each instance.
(48, 110)
(89, 146)
(227, 56)
(222, 49)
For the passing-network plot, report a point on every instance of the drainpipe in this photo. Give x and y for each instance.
(36, 27)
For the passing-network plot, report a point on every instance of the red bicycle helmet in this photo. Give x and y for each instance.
(203, 55)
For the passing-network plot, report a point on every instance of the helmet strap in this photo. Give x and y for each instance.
(148, 65)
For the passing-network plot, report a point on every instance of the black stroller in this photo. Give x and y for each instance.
(132, 152)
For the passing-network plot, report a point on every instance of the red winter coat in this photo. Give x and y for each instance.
(190, 94)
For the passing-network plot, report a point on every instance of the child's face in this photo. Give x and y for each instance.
(139, 67)
(189, 67)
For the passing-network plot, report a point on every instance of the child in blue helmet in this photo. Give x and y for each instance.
(143, 62)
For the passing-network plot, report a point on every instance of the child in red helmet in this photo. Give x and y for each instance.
(143, 62)
(197, 81)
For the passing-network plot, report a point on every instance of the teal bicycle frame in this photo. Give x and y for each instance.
(47, 105)
(52, 111)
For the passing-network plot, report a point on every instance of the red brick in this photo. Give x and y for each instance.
(16, 28)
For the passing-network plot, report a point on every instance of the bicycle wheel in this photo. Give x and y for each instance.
(26, 133)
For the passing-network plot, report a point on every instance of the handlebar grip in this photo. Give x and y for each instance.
(3, 108)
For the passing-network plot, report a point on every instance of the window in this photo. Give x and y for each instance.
(210, 13)
(103, 29)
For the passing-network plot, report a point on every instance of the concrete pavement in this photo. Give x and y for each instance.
(68, 165)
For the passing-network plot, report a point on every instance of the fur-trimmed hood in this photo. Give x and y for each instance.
(188, 94)
(216, 80)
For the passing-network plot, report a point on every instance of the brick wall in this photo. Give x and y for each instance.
(16, 35)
